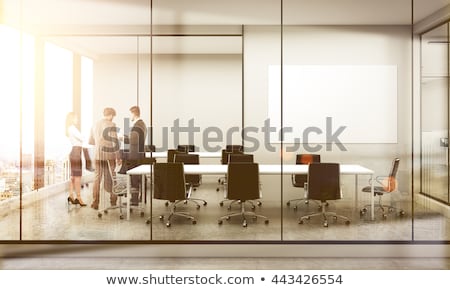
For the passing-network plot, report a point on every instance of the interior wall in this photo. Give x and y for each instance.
(333, 45)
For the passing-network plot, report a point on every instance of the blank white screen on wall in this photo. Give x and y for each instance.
(363, 98)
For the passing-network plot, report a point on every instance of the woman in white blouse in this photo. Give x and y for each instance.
(76, 139)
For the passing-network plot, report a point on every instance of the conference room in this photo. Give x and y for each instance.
(336, 107)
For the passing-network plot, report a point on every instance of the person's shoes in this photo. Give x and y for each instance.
(80, 202)
(71, 200)
(90, 169)
(94, 206)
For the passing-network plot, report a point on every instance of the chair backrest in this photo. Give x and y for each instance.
(242, 158)
(184, 158)
(147, 160)
(171, 154)
(149, 148)
(324, 181)
(169, 182)
(234, 148)
(392, 178)
(186, 148)
(243, 181)
(225, 154)
(300, 179)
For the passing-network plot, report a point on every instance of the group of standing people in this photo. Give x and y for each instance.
(107, 154)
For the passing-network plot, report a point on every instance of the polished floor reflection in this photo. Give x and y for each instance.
(50, 219)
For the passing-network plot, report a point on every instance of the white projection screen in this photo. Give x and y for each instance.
(363, 98)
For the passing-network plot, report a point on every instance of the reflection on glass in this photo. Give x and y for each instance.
(435, 93)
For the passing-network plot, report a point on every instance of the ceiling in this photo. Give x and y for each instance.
(131, 17)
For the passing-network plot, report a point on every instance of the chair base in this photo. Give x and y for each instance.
(305, 200)
(118, 205)
(173, 213)
(233, 201)
(243, 214)
(385, 210)
(325, 215)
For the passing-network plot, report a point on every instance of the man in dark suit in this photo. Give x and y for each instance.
(136, 149)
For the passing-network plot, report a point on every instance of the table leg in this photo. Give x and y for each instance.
(372, 199)
(356, 191)
(128, 199)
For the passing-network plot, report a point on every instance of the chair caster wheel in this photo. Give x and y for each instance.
(105, 212)
(347, 222)
(227, 218)
(197, 206)
(295, 208)
(168, 224)
(205, 203)
(167, 203)
(142, 214)
(258, 203)
(220, 203)
(148, 221)
(306, 201)
(288, 203)
(300, 222)
(194, 222)
(217, 189)
(325, 225)
(244, 224)
(99, 215)
(253, 207)
(220, 222)
(266, 222)
(161, 217)
(121, 217)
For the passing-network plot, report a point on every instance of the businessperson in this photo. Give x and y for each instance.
(104, 137)
(136, 150)
(76, 140)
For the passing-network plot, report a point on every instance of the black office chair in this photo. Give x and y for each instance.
(240, 158)
(193, 179)
(148, 161)
(149, 148)
(186, 148)
(171, 154)
(386, 185)
(230, 149)
(300, 180)
(323, 185)
(170, 185)
(243, 184)
(234, 148)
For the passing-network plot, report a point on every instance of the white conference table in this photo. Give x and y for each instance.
(202, 154)
(264, 169)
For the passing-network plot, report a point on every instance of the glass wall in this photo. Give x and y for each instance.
(280, 78)
(431, 215)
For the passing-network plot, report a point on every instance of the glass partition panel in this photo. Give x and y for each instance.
(210, 81)
(347, 98)
(88, 56)
(431, 221)
(14, 53)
